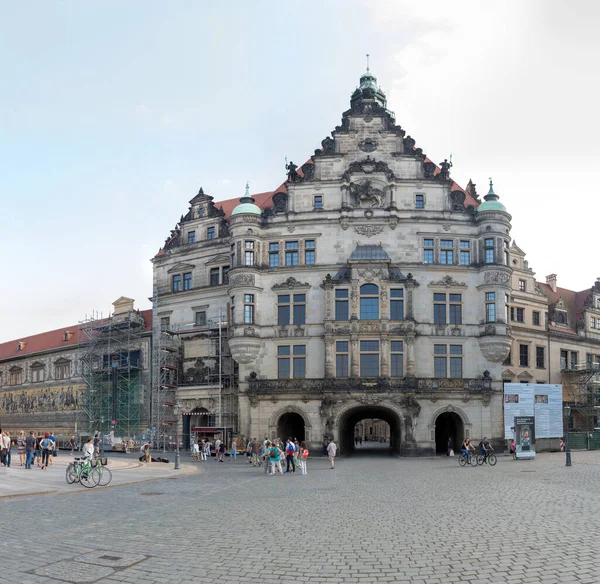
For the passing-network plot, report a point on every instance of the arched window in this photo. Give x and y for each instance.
(561, 317)
(369, 302)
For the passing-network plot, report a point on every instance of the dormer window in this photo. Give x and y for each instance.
(67, 336)
(201, 212)
(21, 346)
(561, 317)
(522, 286)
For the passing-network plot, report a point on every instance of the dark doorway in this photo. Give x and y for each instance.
(369, 417)
(448, 425)
(290, 425)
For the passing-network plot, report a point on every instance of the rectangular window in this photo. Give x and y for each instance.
(214, 276)
(299, 358)
(521, 285)
(249, 253)
(291, 253)
(283, 362)
(455, 361)
(369, 358)
(588, 360)
(273, 255)
(455, 308)
(177, 283)
(520, 315)
(342, 359)
(524, 355)
(428, 251)
(439, 308)
(439, 361)
(419, 201)
(446, 243)
(62, 371)
(299, 308)
(396, 304)
(465, 257)
(318, 202)
(283, 309)
(447, 251)
(341, 305)
(165, 323)
(309, 252)
(489, 251)
(248, 308)
(187, 281)
(540, 361)
(536, 318)
(490, 307)
(38, 374)
(200, 318)
(191, 237)
(210, 233)
(592, 322)
(465, 244)
(574, 356)
(564, 360)
(225, 275)
(16, 377)
(396, 361)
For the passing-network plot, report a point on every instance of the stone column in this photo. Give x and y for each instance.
(385, 360)
(354, 356)
(329, 356)
(411, 367)
(410, 286)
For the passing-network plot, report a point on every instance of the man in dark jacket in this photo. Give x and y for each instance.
(29, 448)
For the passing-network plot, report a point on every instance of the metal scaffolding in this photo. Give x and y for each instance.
(112, 357)
(582, 394)
(165, 365)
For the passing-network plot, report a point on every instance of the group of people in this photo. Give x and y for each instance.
(33, 449)
(484, 447)
(271, 453)
(201, 450)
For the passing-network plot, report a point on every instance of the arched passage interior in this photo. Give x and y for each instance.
(291, 425)
(448, 425)
(349, 419)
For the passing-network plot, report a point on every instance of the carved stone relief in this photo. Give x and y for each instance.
(496, 278)
(368, 230)
(447, 282)
(241, 280)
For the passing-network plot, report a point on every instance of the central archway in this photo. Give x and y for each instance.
(448, 425)
(351, 417)
(291, 425)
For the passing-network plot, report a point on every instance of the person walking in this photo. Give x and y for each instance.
(264, 454)
(46, 450)
(30, 442)
(289, 456)
(331, 452)
(256, 461)
(450, 449)
(217, 449)
(513, 449)
(196, 451)
(73, 445)
(6, 448)
(221, 452)
(54, 451)
(233, 451)
(205, 450)
(38, 449)
(275, 459)
(303, 457)
(145, 451)
(21, 450)
(96, 444)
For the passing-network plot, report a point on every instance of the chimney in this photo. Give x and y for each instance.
(551, 281)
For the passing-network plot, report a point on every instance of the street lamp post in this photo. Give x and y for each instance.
(177, 459)
(102, 436)
(567, 448)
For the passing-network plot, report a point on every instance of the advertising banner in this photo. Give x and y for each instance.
(525, 436)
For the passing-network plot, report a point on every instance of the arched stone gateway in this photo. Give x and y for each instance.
(448, 422)
(290, 421)
(352, 413)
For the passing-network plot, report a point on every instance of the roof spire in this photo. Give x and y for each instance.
(491, 202)
(491, 192)
(247, 198)
(368, 62)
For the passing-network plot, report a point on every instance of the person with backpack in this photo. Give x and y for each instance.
(289, 456)
(275, 458)
(303, 457)
(47, 448)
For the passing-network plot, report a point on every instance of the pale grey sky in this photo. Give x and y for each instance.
(112, 116)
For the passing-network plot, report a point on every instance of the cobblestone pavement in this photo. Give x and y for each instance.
(369, 520)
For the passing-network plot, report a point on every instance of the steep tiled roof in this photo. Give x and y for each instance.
(574, 305)
(53, 340)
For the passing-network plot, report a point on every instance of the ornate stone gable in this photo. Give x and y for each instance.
(290, 284)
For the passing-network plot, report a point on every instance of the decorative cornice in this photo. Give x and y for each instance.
(289, 284)
(447, 282)
(368, 230)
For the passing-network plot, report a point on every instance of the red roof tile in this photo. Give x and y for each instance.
(53, 339)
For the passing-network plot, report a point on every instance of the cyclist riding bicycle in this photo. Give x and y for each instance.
(466, 447)
(485, 448)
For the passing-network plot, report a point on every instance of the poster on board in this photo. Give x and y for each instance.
(524, 436)
(541, 400)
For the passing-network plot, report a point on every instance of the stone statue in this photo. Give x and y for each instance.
(292, 174)
(445, 169)
(364, 192)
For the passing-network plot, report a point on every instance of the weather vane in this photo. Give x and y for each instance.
(368, 62)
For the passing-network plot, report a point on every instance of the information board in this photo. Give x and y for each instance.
(524, 436)
(542, 400)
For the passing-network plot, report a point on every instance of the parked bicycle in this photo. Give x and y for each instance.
(89, 473)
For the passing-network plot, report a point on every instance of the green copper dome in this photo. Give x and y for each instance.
(491, 202)
(247, 205)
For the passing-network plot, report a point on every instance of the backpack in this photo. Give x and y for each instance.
(273, 452)
(305, 453)
(47, 444)
(290, 449)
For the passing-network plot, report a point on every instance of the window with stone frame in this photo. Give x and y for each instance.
(176, 283)
(428, 251)
(248, 308)
(211, 232)
(522, 286)
(248, 253)
(165, 323)
(490, 307)
(464, 258)
(560, 317)
(200, 318)
(37, 373)
(564, 359)
(215, 276)
(187, 281)
(397, 304)
(273, 255)
(488, 250)
(318, 202)
(535, 318)
(447, 361)
(419, 201)
(520, 314)
(342, 359)
(342, 310)
(16, 376)
(574, 359)
(291, 361)
(540, 358)
(291, 253)
(62, 370)
(291, 309)
(396, 358)
(369, 358)
(369, 302)
(309, 252)
(447, 251)
(508, 361)
(523, 355)
(191, 237)
(447, 308)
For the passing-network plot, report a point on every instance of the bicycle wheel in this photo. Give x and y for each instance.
(480, 459)
(71, 474)
(492, 459)
(462, 460)
(90, 478)
(473, 460)
(105, 475)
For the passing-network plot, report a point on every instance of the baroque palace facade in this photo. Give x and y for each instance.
(369, 285)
